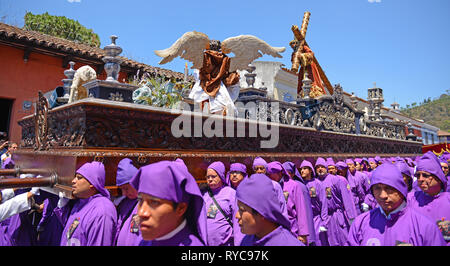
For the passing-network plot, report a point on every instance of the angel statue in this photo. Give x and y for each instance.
(216, 76)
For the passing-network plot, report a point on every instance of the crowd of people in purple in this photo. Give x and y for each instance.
(354, 202)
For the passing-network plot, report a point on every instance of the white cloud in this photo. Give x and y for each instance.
(78, 1)
(374, 1)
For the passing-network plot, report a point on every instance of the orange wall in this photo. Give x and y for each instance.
(21, 81)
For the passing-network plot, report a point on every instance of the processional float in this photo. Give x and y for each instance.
(107, 126)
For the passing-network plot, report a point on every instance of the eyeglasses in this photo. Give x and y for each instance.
(425, 175)
(211, 176)
(235, 173)
(259, 168)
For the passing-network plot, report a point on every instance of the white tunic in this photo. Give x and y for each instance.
(13, 206)
(224, 98)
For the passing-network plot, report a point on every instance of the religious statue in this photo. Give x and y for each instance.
(217, 80)
(303, 58)
(83, 75)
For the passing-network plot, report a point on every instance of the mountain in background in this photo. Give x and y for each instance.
(434, 112)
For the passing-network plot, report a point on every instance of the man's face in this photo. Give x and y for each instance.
(321, 170)
(260, 169)
(428, 183)
(342, 172)
(247, 219)
(158, 217)
(373, 165)
(387, 197)
(12, 148)
(81, 188)
(445, 168)
(213, 179)
(332, 169)
(128, 191)
(275, 176)
(305, 172)
(351, 167)
(236, 178)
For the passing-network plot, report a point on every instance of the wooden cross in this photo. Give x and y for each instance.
(299, 35)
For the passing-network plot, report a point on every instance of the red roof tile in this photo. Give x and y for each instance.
(15, 34)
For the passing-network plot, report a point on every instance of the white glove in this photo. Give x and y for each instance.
(26, 176)
(62, 201)
(35, 191)
(322, 229)
(364, 207)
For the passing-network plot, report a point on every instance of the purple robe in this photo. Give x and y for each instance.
(405, 227)
(319, 206)
(340, 207)
(437, 208)
(295, 201)
(49, 228)
(358, 188)
(278, 237)
(220, 233)
(290, 166)
(129, 234)
(124, 211)
(92, 222)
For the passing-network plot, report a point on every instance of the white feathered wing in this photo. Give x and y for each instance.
(246, 49)
(190, 46)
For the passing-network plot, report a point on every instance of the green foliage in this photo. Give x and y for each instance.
(62, 27)
(158, 92)
(434, 112)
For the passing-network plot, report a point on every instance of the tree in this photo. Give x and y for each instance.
(62, 27)
(413, 104)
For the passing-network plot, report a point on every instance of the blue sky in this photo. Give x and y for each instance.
(402, 45)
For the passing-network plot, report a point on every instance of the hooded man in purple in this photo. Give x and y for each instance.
(432, 200)
(295, 175)
(341, 209)
(236, 174)
(295, 201)
(126, 205)
(220, 226)
(357, 182)
(361, 167)
(170, 206)
(372, 165)
(318, 200)
(393, 223)
(260, 216)
(331, 166)
(92, 219)
(260, 167)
